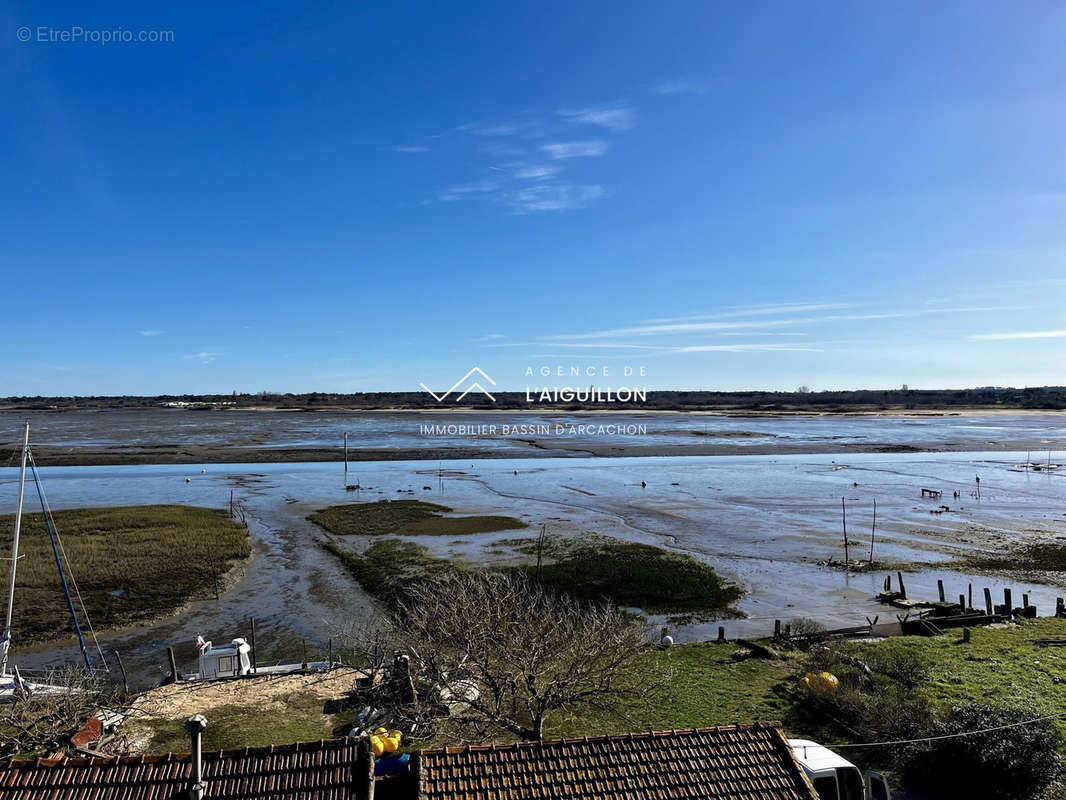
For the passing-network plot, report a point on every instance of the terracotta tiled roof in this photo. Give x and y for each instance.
(724, 763)
(320, 770)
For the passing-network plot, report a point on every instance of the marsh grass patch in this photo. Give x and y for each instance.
(406, 518)
(650, 578)
(131, 563)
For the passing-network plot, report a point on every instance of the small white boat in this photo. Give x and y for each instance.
(234, 660)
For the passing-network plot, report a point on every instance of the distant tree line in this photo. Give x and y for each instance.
(803, 399)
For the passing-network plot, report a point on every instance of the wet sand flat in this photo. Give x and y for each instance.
(169, 436)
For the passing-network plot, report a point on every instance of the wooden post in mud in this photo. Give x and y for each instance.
(540, 548)
(988, 602)
(969, 596)
(902, 588)
(255, 666)
(1007, 604)
(721, 634)
(844, 520)
(231, 504)
(122, 669)
(305, 654)
(873, 530)
(777, 629)
(346, 457)
(962, 603)
(1025, 601)
(965, 635)
(173, 665)
(1060, 607)
(940, 589)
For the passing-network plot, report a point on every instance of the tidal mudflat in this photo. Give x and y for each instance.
(767, 524)
(173, 436)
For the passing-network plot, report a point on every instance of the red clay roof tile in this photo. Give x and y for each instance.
(322, 770)
(724, 763)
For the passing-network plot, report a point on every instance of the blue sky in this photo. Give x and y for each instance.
(350, 197)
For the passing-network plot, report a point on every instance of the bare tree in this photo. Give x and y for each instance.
(496, 653)
(42, 722)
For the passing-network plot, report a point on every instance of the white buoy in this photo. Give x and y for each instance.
(668, 641)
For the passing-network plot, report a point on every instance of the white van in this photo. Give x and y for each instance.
(836, 778)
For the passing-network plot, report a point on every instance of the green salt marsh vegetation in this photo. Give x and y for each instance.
(406, 517)
(131, 564)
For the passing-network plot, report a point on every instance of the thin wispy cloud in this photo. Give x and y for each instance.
(588, 345)
(466, 190)
(991, 337)
(203, 358)
(490, 337)
(589, 148)
(681, 87)
(554, 197)
(720, 323)
(615, 118)
(708, 327)
(746, 348)
(150, 333)
(536, 172)
(761, 333)
(512, 128)
(519, 145)
(756, 311)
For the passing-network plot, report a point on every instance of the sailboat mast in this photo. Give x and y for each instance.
(5, 639)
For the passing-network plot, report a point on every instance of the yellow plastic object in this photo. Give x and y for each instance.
(385, 742)
(820, 684)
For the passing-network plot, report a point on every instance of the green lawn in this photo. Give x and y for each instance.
(704, 686)
(243, 725)
(707, 687)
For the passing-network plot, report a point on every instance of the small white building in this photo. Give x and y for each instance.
(225, 661)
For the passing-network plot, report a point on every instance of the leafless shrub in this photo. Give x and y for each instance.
(496, 654)
(42, 721)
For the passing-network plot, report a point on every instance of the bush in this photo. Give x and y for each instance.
(908, 667)
(807, 630)
(1019, 763)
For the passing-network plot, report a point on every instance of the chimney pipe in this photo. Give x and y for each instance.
(195, 726)
(364, 769)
